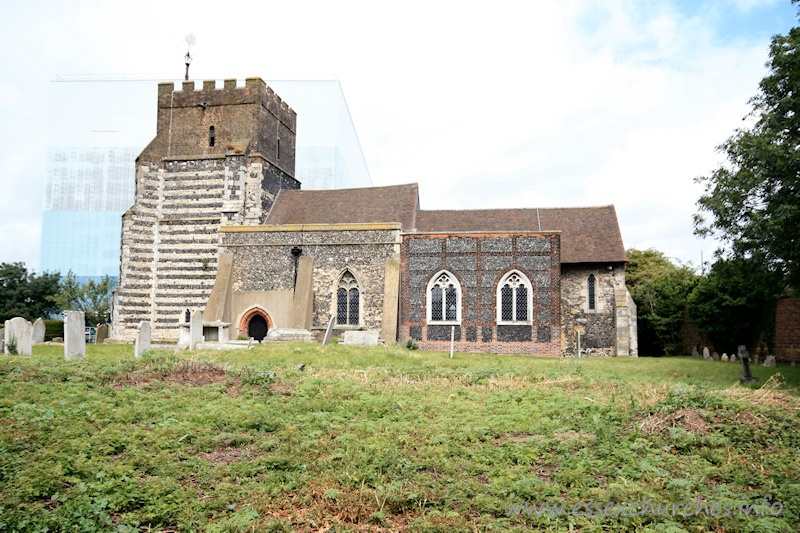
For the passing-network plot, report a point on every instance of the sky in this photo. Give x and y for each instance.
(546, 103)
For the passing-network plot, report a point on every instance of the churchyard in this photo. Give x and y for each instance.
(286, 437)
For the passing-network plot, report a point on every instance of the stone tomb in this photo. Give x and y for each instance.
(18, 335)
(37, 331)
(360, 338)
(74, 335)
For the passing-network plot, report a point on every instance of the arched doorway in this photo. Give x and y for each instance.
(257, 328)
(255, 324)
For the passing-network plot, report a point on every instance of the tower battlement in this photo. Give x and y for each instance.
(214, 121)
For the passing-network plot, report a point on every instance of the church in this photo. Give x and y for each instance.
(220, 225)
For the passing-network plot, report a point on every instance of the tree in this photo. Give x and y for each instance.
(660, 290)
(26, 294)
(735, 303)
(753, 200)
(93, 298)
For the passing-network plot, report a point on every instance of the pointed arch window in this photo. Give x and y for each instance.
(348, 300)
(444, 299)
(590, 283)
(514, 299)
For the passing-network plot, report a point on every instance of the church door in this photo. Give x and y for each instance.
(257, 328)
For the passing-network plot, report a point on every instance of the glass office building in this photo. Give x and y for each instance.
(98, 128)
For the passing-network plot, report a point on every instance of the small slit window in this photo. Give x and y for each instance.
(591, 291)
(212, 136)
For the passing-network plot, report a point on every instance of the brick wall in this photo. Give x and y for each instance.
(479, 262)
(787, 330)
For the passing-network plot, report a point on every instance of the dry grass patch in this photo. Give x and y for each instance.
(688, 419)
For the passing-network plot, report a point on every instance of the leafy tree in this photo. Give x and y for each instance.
(735, 303)
(93, 298)
(660, 289)
(25, 294)
(753, 200)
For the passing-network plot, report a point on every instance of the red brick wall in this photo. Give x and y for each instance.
(787, 330)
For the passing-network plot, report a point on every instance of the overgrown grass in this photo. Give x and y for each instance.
(301, 437)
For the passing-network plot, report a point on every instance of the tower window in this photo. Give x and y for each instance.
(591, 292)
(212, 136)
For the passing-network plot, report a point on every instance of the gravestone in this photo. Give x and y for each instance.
(74, 334)
(706, 353)
(143, 336)
(102, 334)
(724, 358)
(715, 356)
(18, 335)
(2, 340)
(326, 339)
(37, 331)
(195, 329)
(361, 338)
(695, 353)
(733, 358)
(770, 361)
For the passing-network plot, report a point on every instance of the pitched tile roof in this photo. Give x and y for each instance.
(588, 234)
(396, 203)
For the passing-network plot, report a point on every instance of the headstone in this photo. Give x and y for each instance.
(2, 340)
(733, 358)
(361, 338)
(37, 331)
(142, 343)
(770, 361)
(706, 353)
(744, 355)
(195, 329)
(715, 356)
(695, 353)
(724, 358)
(74, 334)
(794, 364)
(17, 335)
(326, 339)
(102, 334)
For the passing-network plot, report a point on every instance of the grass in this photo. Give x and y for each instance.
(301, 437)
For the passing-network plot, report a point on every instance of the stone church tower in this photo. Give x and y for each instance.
(219, 158)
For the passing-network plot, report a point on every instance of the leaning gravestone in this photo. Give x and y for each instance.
(770, 361)
(142, 339)
(706, 353)
(18, 336)
(37, 331)
(102, 334)
(74, 335)
(195, 329)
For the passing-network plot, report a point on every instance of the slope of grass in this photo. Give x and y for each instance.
(301, 437)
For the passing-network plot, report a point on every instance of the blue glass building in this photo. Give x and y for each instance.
(98, 128)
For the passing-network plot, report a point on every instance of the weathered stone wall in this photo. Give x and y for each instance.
(597, 326)
(170, 235)
(263, 262)
(479, 261)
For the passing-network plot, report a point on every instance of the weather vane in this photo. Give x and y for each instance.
(188, 57)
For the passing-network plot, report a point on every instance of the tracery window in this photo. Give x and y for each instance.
(591, 291)
(514, 299)
(444, 299)
(347, 300)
